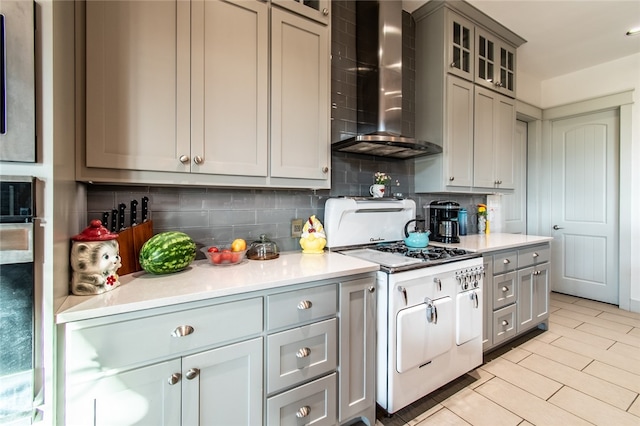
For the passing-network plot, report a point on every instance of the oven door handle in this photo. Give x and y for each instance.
(403, 290)
(474, 296)
(432, 311)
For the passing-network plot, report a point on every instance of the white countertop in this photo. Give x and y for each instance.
(481, 243)
(201, 281)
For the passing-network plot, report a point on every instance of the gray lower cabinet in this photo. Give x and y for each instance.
(517, 283)
(296, 355)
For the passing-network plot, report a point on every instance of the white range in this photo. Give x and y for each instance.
(429, 300)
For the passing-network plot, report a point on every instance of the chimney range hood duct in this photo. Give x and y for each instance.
(379, 81)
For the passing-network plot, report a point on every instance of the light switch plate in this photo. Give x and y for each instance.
(296, 228)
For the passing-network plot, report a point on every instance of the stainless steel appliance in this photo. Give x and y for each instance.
(443, 221)
(17, 81)
(429, 300)
(16, 299)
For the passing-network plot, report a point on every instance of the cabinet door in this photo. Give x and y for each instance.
(460, 46)
(229, 102)
(318, 10)
(458, 146)
(533, 296)
(506, 78)
(494, 128)
(299, 97)
(147, 395)
(495, 63)
(224, 386)
(356, 384)
(137, 85)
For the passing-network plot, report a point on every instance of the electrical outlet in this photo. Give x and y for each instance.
(296, 228)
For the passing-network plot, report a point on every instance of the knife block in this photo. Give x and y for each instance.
(127, 254)
(141, 233)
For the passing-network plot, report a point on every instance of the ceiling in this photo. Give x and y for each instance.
(563, 36)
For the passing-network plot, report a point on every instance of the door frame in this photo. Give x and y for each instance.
(539, 156)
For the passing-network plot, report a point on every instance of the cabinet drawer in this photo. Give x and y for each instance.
(312, 403)
(300, 354)
(533, 255)
(505, 262)
(505, 290)
(301, 306)
(504, 324)
(99, 348)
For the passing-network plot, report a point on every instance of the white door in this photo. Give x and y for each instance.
(514, 204)
(584, 206)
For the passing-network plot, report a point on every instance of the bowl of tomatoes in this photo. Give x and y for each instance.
(225, 254)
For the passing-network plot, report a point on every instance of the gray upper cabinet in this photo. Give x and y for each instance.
(464, 102)
(220, 92)
(318, 10)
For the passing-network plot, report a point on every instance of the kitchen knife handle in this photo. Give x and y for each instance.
(134, 212)
(114, 218)
(121, 209)
(145, 209)
(105, 219)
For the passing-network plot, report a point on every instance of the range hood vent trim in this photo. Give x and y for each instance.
(379, 81)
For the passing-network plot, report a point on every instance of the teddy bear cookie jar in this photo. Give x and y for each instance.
(313, 238)
(95, 258)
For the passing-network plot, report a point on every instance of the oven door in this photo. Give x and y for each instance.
(468, 316)
(16, 321)
(424, 332)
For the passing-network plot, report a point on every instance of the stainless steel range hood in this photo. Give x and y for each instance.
(379, 80)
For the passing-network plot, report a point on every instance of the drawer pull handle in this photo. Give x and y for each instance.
(303, 412)
(304, 304)
(506, 261)
(174, 378)
(192, 373)
(183, 330)
(535, 255)
(505, 289)
(303, 353)
(505, 323)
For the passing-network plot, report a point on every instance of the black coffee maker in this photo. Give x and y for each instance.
(443, 221)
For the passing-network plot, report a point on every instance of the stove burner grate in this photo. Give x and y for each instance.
(427, 253)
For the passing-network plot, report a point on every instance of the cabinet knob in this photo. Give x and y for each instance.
(184, 159)
(506, 261)
(174, 378)
(303, 412)
(325, 169)
(304, 304)
(303, 353)
(451, 178)
(325, 11)
(372, 289)
(505, 323)
(183, 330)
(198, 160)
(535, 255)
(192, 373)
(505, 289)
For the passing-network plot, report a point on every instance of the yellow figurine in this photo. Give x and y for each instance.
(313, 238)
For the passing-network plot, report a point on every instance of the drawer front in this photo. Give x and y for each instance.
(535, 255)
(301, 306)
(96, 349)
(504, 324)
(505, 262)
(505, 289)
(300, 354)
(313, 403)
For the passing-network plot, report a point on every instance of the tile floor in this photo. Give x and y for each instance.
(584, 370)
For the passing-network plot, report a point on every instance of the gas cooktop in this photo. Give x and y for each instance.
(396, 257)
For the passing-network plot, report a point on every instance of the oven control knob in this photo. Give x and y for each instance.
(465, 286)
